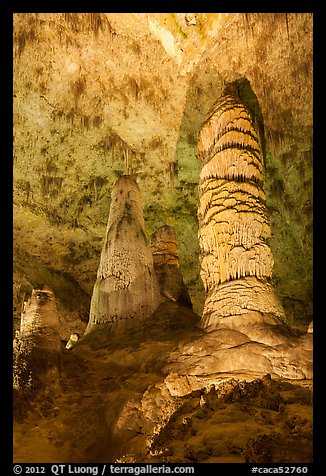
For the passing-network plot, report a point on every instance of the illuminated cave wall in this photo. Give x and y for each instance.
(100, 95)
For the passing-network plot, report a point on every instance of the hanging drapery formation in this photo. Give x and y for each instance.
(166, 264)
(126, 289)
(236, 261)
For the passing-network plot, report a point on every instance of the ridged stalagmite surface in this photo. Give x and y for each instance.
(166, 264)
(236, 261)
(37, 346)
(126, 288)
(40, 318)
(164, 246)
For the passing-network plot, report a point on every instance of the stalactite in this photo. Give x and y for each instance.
(287, 25)
(171, 167)
(233, 222)
(127, 154)
(246, 25)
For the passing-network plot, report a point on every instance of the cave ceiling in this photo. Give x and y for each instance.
(97, 96)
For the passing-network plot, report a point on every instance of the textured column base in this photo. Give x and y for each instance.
(246, 305)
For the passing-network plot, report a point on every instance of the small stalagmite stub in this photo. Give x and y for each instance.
(37, 345)
(40, 317)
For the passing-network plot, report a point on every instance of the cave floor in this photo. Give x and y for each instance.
(99, 412)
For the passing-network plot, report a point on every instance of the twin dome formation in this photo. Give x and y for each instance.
(136, 275)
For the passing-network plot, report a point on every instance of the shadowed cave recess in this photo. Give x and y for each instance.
(163, 238)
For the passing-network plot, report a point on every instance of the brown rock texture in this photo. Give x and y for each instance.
(256, 348)
(126, 287)
(37, 347)
(165, 252)
(159, 394)
(236, 261)
(239, 421)
(164, 246)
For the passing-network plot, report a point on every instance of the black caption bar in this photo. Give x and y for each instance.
(138, 469)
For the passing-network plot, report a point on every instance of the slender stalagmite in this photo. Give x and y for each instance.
(166, 264)
(126, 289)
(236, 261)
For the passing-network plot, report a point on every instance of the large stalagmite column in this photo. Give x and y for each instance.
(236, 261)
(126, 289)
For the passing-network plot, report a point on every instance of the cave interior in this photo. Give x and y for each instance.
(163, 231)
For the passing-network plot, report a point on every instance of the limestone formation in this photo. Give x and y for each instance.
(126, 289)
(236, 261)
(166, 264)
(37, 346)
(40, 318)
(73, 339)
(227, 350)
